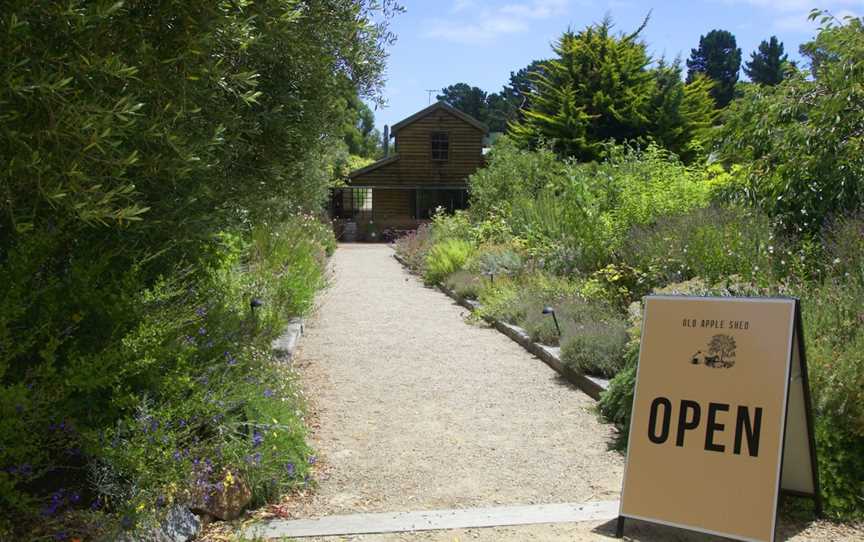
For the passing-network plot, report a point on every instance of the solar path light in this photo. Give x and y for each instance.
(549, 310)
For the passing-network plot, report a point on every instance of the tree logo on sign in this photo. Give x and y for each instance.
(720, 353)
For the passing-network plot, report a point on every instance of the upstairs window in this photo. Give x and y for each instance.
(440, 145)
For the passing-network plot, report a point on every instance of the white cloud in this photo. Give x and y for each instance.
(463, 5)
(793, 15)
(482, 23)
(799, 5)
(538, 9)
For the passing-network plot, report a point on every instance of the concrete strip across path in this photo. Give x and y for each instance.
(435, 520)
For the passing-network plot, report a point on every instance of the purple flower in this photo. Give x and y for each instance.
(177, 455)
(257, 439)
(231, 359)
(202, 331)
(290, 468)
(312, 460)
(255, 458)
(268, 393)
(201, 311)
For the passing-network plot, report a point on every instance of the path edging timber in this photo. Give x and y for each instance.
(283, 346)
(550, 355)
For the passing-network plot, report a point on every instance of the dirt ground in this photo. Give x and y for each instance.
(415, 409)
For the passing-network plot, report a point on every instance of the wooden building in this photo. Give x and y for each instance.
(436, 149)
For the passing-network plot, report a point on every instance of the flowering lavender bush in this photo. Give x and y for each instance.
(182, 397)
(414, 247)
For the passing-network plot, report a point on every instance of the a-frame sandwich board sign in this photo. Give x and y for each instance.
(721, 421)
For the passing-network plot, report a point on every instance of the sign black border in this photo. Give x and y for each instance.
(798, 338)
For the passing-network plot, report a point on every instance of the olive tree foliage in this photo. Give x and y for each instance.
(142, 114)
(801, 140)
(135, 137)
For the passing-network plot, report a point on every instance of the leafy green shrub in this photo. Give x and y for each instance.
(499, 299)
(445, 258)
(467, 285)
(617, 284)
(834, 331)
(574, 217)
(414, 248)
(844, 244)
(497, 260)
(572, 310)
(517, 299)
(710, 243)
(636, 187)
(596, 348)
(616, 403)
(593, 325)
(188, 382)
(512, 173)
(800, 140)
(149, 163)
(451, 226)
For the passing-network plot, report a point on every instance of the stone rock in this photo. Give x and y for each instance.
(284, 346)
(225, 501)
(179, 525)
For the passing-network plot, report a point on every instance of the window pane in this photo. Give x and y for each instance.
(440, 145)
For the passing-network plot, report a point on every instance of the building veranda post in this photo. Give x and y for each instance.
(435, 152)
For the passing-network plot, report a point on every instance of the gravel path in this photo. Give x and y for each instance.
(417, 410)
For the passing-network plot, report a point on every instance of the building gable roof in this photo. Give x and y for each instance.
(373, 166)
(435, 107)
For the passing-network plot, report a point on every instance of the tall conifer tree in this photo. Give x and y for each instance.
(719, 58)
(597, 89)
(767, 65)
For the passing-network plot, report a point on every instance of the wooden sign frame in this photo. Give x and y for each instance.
(797, 353)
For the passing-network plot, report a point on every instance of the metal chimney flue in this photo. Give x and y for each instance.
(386, 141)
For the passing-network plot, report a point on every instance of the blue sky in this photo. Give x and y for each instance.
(480, 42)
